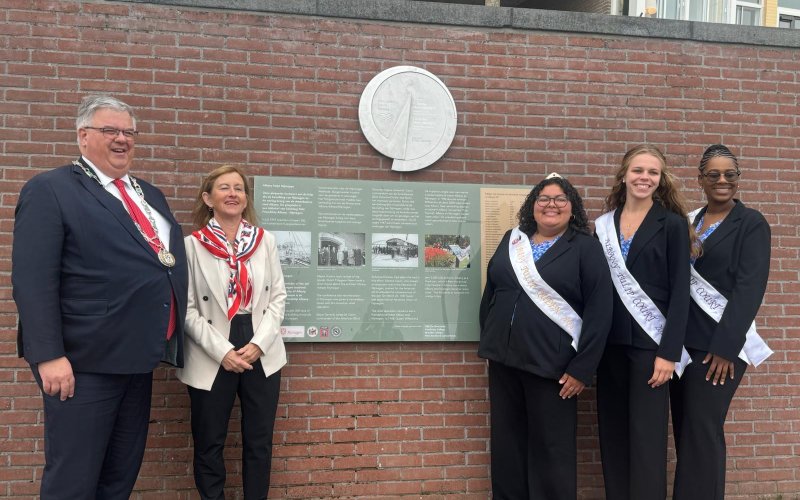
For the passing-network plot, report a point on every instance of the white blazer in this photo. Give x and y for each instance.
(207, 326)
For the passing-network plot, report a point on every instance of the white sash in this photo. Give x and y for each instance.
(546, 299)
(638, 304)
(713, 303)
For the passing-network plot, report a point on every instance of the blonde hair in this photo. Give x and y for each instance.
(667, 192)
(201, 213)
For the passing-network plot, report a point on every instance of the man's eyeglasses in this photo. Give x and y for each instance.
(112, 133)
(714, 175)
(559, 201)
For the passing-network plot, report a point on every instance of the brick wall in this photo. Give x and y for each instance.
(278, 93)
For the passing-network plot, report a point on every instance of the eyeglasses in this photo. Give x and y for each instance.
(714, 175)
(559, 201)
(112, 133)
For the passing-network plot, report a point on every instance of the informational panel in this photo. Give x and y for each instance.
(369, 261)
(499, 207)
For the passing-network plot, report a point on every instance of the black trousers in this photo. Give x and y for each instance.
(533, 437)
(95, 441)
(211, 411)
(633, 420)
(699, 409)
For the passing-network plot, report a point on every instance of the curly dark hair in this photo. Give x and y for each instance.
(579, 220)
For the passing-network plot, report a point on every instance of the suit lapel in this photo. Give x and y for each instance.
(259, 272)
(728, 225)
(113, 205)
(156, 201)
(209, 268)
(554, 251)
(652, 224)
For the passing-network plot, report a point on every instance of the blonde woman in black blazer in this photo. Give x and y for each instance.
(634, 373)
(535, 373)
(735, 261)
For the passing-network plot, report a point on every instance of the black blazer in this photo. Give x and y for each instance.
(735, 261)
(659, 261)
(86, 284)
(517, 333)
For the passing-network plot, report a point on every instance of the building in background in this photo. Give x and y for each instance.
(789, 14)
(769, 13)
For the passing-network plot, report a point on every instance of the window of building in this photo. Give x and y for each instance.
(789, 22)
(711, 11)
(788, 17)
(669, 9)
(748, 12)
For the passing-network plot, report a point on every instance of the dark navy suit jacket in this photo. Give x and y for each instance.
(86, 284)
(735, 261)
(515, 332)
(659, 261)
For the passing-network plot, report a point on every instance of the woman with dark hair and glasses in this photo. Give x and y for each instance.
(544, 318)
(727, 286)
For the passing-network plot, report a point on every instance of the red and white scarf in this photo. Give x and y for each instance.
(248, 237)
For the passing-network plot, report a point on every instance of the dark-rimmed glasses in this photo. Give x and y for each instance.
(559, 201)
(714, 175)
(112, 133)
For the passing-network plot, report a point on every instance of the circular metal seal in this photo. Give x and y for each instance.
(408, 114)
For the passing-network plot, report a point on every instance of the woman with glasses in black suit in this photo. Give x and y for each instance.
(728, 284)
(544, 318)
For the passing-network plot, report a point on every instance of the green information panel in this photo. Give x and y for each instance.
(369, 261)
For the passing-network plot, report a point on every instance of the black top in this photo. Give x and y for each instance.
(515, 332)
(659, 261)
(735, 261)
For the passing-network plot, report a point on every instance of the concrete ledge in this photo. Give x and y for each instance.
(408, 11)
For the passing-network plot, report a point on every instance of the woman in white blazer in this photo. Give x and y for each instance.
(233, 344)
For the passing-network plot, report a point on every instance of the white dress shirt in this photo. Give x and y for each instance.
(162, 225)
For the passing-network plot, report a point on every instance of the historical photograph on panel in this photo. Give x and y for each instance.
(395, 250)
(451, 251)
(341, 250)
(294, 248)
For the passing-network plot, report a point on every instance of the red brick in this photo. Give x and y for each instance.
(279, 94)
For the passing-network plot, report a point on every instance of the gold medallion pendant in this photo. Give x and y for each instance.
(166, 257)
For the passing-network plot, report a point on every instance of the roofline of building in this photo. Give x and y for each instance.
(408, 11)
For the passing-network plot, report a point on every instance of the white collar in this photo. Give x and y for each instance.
(102, 177)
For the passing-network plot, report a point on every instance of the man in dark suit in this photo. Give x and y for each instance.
(100, 282)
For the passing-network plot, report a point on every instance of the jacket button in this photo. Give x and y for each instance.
(267, 289)
(209, 322)
(205, 297)
(264, 311)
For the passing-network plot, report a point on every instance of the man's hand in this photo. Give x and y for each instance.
(57, 377)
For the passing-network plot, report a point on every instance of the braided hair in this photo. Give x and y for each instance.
(714, 151)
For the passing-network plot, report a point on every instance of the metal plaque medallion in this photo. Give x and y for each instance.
(406, 113)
